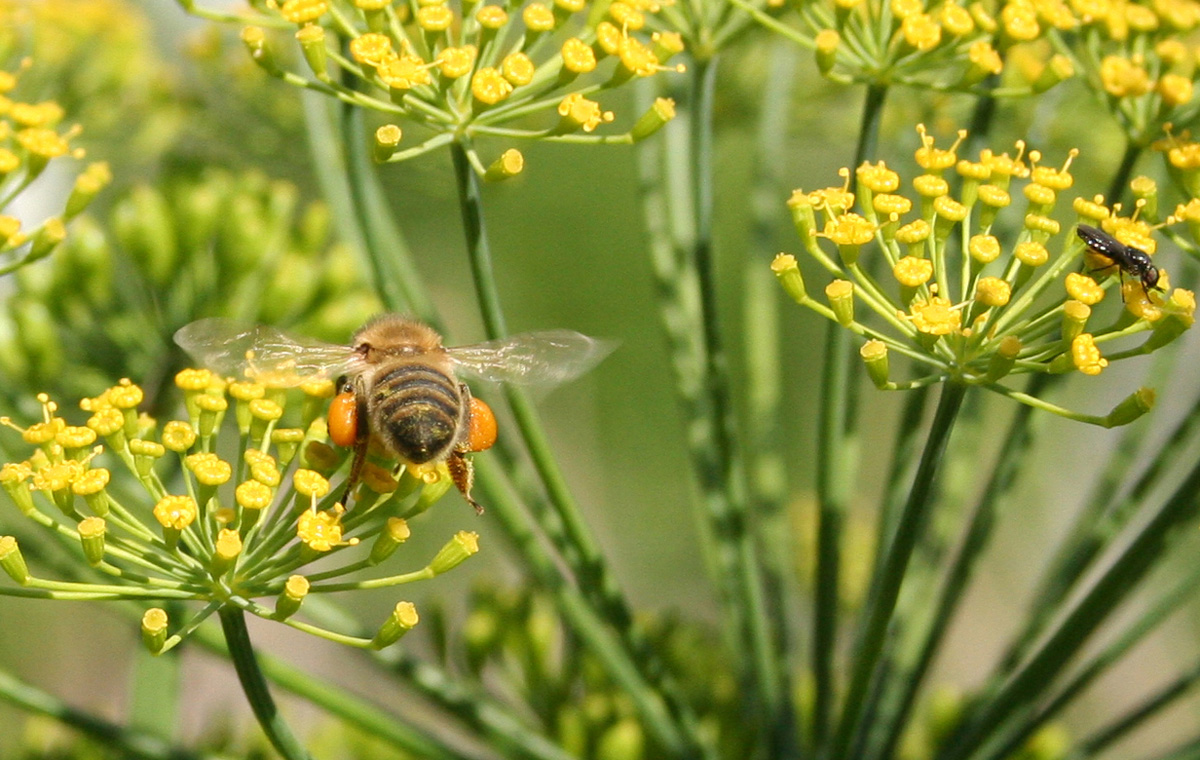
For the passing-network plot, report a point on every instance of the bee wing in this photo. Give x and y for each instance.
(243, 350)
(537, 359)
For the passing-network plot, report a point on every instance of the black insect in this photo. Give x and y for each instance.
(1132, 261)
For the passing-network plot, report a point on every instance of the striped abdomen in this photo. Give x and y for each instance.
(418, 410)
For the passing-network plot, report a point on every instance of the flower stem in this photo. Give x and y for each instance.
(254, 684)
(890, 574)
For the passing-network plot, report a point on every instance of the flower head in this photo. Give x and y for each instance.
(1011, 307)
(197, 532)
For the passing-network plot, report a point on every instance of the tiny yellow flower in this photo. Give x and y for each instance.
(1031, 253)
(850, 229)
(912, 272)
(209, 469)
(1084, 289)
(304, 11)
(538, 18)
(193, 379)
(310, 483)
(252, 494)
(455, 62)
(41, 142)
(404, 72)
(91, 481)
(936, 316)
(491, 17)
(626, 16)
(371, 48)
(176, 512)
(577, 56)
(1086, 356)
(435, 18)
(993, 291)
(921, 31)
(489, 86)
(583, 113)
(1122, 78)
(877, 177)
(518, 69)
(933, 159)
(321, 531)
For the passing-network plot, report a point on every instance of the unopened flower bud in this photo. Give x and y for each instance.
(400, 622)
(455, 552)
(508, 165)
(1138, 403)
(655, 118)
(1004, 358)
(91, 535)
(255, 40)
(387, 142)
(154, 629)
(312, 42)
(1075, 317)
(787, 271)
(12, 561)
(87, 186)
(875, 354)
(292, 596)
(389, 539)
(841, 299)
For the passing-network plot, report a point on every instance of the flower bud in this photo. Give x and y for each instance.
(787, 271)
(655, 118)
(875, 354)
(827, 42)
(1138, 403)
(1075, 317)
(312, 43)
(292, 596)
(400, 622)
(387, 142)
(91, 535)
(841, 299)
(1004, 358)
(389, 539)
(12, 561)
(87, 186)
(154, 629)
(508, 165)
(46, 239)
(455, 552)
(255, 40)
(225, 552)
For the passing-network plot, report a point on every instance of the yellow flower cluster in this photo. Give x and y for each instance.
(212, 530)
(940, 45)
(958, 308)
(31, 136)
(464, 71)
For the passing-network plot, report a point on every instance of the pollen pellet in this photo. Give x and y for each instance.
(343, 419)
(482, 429)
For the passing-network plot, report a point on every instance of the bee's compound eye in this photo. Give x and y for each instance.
(343, 419)
(481, 429)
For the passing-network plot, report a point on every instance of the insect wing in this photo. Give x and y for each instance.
(536, 359)
(260, 352)
(1102, 243)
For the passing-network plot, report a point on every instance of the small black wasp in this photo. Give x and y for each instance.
(1132, 261)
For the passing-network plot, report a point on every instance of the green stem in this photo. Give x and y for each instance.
(254, 684)
(721, 467)
(578, 546)
(880, 606)
(895, 712)
(1120, 180)
(868, 134)
(767, 469)
(837, 457)
(1059, 645)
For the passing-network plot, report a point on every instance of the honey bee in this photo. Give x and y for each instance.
(398, 384)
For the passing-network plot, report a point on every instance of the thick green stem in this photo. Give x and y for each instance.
(868, 134)
(1120, 180)
(719, 459)
(1075, 625)
(880, 606)
(577, 545)
(254, 684)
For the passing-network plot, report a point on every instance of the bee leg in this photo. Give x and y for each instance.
(463, 475)
(362, 436)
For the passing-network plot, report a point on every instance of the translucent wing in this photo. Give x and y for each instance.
(243, 350)
(538, 358)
